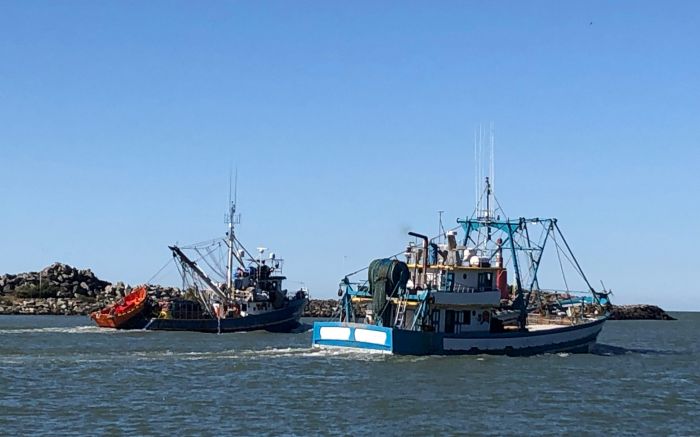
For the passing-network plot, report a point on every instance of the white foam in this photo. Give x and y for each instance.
(87, 329)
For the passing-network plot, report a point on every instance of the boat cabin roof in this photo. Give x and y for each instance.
(453, 267)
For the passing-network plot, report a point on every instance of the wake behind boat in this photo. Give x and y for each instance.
(452, 296)
(249, 295)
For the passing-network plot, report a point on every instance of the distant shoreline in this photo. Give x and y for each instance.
(60, 289)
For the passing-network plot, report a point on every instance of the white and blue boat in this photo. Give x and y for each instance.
(451, 295)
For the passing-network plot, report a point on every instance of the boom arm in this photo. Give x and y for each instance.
(195, 268)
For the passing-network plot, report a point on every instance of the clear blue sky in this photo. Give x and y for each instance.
(350, 123)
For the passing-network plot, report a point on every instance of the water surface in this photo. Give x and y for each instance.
(61, 375)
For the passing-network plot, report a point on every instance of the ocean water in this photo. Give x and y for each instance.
(61, 375)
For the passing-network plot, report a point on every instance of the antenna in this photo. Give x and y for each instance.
(485, 171)
(235, 188)
(492, 170)
(481, 155)
(231, 220)
(476, 175)
(232, 183)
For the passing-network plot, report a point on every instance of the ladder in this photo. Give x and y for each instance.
(418, 314)
(401, 312)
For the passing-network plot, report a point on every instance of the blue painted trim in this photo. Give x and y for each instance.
(405, 342)
(352, 342)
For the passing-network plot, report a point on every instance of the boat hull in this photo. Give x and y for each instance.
(129, 313)
(574, 339)
(285, 319)
(137, 321)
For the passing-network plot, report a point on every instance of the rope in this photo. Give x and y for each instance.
(202, 243)
(203, 257)
(159, 271)
(561, 266)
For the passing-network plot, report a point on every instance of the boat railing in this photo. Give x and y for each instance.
(459, 288)
(357, 288)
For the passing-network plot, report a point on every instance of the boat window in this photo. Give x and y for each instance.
(449, 321)
(467, 317)
(450, 281)
(462, 321)
(435, 320)
(485, 281)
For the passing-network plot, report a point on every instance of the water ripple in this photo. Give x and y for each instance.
(64, 377)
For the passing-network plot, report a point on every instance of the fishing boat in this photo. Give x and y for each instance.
(244, 293)
(127, 313)
(451, 295)
(249, 295)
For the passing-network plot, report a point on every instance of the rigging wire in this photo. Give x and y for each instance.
(563, 252)
(216, 265)
(202, 243)
(203, 257)
(246, 251)
(561, 266)
(183, 275)
(159, 270)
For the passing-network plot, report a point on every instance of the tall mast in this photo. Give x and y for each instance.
(488, 209)
(230, 222)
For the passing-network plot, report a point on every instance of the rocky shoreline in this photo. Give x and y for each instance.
(60, 289)
(638, 312)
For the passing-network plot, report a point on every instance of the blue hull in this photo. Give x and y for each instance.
(575, 339)
(285, 319)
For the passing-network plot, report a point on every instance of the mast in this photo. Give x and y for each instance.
(488, 209)
(230, 237)
(520, 298)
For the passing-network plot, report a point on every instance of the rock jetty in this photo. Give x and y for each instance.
(61, 289)
(64, 290)
(638, 312)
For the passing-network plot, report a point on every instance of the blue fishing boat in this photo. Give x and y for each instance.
(250, 297)
(451, 295)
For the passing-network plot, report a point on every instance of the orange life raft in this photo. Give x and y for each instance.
(118, 314)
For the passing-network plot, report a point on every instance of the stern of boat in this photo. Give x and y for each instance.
(359, 336)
